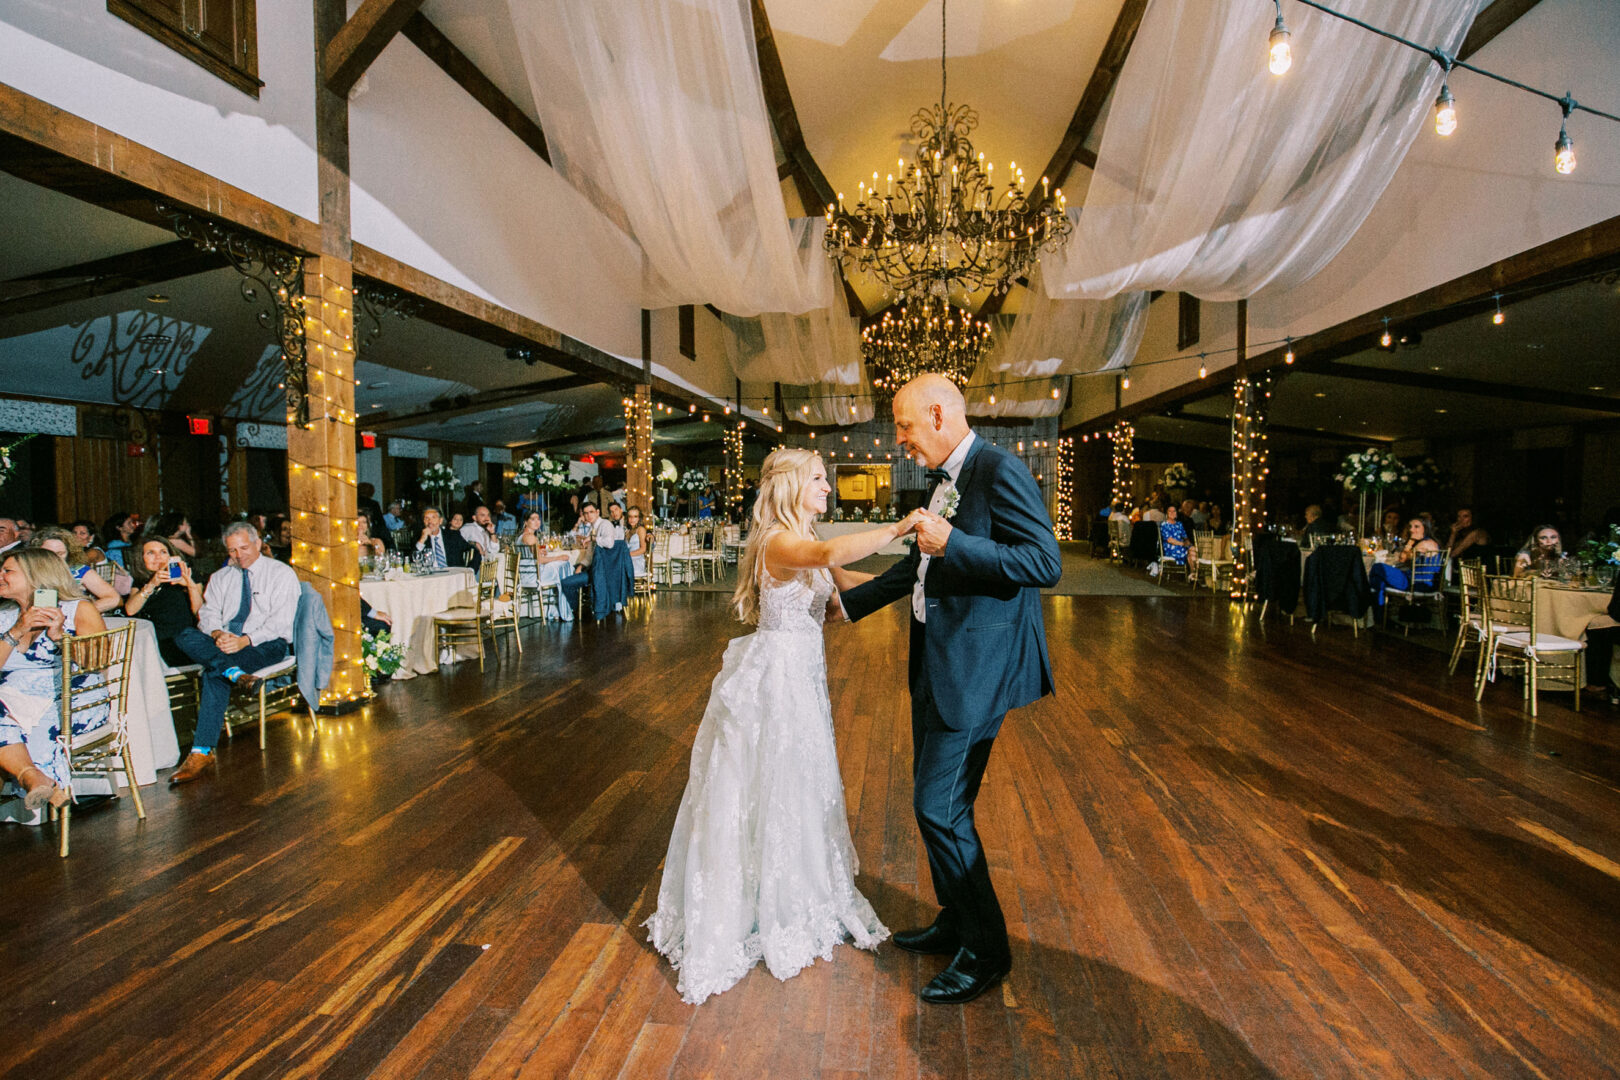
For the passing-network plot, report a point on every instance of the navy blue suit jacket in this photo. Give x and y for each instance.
(985, 643)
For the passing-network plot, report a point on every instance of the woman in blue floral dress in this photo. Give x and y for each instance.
(31, 672)
(1173, 534)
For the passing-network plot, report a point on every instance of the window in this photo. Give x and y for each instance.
(688, 313)
(221, 35)
(1187, 322)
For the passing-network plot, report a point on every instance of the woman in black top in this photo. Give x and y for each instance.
(170, 604)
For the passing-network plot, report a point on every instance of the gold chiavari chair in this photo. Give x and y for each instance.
(1510, 628)
(506, 607)
(95, 679)
(1471, 616)
(642, 584)
(459, 626)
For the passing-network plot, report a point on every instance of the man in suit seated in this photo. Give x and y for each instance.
(444, 547)
(246, 623)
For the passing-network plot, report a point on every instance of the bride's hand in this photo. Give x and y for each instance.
(910, 522)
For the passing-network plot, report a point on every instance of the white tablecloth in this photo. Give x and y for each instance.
(412, 603)
(153, 744)
(552, 573)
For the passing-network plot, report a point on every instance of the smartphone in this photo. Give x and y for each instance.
(174, 569)
(44, 597)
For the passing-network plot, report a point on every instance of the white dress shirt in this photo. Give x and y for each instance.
(275, 600)
(433, 548)
(608, 532)
(488, 545)
(1155, 515)
(953, 466)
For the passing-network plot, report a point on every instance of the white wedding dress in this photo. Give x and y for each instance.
(761, 865)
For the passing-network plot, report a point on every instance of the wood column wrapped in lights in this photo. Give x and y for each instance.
(1064, 523)
(321, 476)
(1124, 438)
(638, 447)
(1251, 464)
(731, 440)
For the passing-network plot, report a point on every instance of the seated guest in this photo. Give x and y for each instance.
(394, 519)
(1315, 523)
(1465, 534)
(1540, 553)
(167, 598)
(611, 580)
(1154, 513)
(480, 534)
(31, 672)
(119, 533)
(173, 527)
(1106, 512)
(1390, 530)
(278, 536)
(245, 623)
(457, 521)
(25, 530)
(1200, 515)
(1187, 508)
(1396, 572)
(1217, 523)
(9, 538)
(1177, 544)
(538, 567)
(1116, 512)
(505, 523)
(636, 541)
(1600, 642)
(369, 545)
(58, 541)
(443, 547)
(373, 621)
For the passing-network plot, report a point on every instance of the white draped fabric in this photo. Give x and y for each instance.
(1217, 178)
(655, 111)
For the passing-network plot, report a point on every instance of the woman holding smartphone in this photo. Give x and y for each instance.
(164, 595)
(39, 603)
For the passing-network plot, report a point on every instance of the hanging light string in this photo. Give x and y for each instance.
(1445, 108)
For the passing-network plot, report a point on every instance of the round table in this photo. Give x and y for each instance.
(1567, 610)
(411, 602)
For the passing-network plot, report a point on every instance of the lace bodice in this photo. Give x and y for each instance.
(799, 605)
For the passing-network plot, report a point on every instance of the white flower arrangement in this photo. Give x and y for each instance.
(1425, 474)
(1179, 476)
(6, 461)
(381, 653)
(694, 480)
(438, 477)
(541, 472)
(1372, 470)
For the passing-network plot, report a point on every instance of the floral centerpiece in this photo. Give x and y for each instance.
(1598, 552)
(382, 654)
(439, 478)
(541, 472)
(1372, 471)
(693, 480)
(1424, 475)
(7, 463)
(1179, 476)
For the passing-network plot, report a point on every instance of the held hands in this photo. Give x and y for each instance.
(229, 642)
(909, 522)
(933, 533)
(48, 619)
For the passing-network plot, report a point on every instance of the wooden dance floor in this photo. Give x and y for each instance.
(1223, 851)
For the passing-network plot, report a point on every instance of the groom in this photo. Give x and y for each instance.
(978, 648)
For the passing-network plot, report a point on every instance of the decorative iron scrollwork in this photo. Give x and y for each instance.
(374, 302)
(273, 278)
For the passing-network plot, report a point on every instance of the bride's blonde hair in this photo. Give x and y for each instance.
(778, 506)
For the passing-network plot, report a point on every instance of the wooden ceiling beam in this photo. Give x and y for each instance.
(361, 40)
(101, 277)
(1492, 21)
(1450, 384)
(1109, 64)
(455, 63)
(1276, 429)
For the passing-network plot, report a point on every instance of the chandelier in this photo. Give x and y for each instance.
(940, 226)
(926, 335)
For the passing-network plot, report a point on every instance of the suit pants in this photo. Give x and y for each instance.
(947, 767)
(215, 692)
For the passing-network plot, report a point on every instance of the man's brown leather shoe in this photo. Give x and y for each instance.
(246, 683)
(194, 766)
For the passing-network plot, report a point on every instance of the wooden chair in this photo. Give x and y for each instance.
(1206, 546)
(1168, 566)
(1429, 567)
(1510, 627)
(1119, 538)
(1470, 615)
(96, 678)
(458, 626)
(731, 544)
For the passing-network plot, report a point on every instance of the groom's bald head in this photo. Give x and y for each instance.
(930, 418)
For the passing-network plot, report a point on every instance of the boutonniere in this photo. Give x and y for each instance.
(953, 499)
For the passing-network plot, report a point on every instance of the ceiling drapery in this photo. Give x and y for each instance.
(655, 111)
(1219, 179)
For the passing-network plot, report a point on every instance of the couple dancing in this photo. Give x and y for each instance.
(760, 864)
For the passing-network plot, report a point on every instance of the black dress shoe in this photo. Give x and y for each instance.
(932, 940)
(966, 978)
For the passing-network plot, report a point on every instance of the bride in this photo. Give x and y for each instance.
(760, 865)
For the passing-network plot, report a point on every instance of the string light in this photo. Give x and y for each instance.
(1288, 357)
(1386, 340)
(1445, 113)
(1063, 528)
(1498, 318)
(1124, 438)
(1280, 53)
(1251, 413)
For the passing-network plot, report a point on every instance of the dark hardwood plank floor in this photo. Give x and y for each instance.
(1225, 850)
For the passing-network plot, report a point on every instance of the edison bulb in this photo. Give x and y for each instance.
(1498, 318)
(1282, 56)
(1386, 340)
(1564, 153)
(1445, 112)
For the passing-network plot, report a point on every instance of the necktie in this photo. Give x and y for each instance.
(936, 476)
(438, 552)
(245, 607)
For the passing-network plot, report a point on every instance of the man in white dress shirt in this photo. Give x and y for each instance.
(611, 575)
(246, 623)
(9, 536)
(480, 534)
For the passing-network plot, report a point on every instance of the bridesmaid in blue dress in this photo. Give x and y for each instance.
(1177, 543)
(1396, 572)
(31, 672)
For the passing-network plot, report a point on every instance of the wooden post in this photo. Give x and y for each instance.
(321, 479)
(638, 448)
